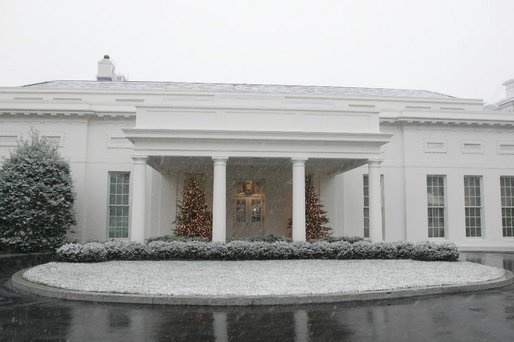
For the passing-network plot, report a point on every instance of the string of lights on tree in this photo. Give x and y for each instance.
(193, 219)
(315, 216)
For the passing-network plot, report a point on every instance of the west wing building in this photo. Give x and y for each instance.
(389, 164)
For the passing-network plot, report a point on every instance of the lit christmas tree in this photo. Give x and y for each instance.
(193, 220)
(315, 216)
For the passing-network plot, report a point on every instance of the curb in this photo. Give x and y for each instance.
(21, 284)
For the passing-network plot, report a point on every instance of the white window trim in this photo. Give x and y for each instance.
(481, 207)
(107, 214)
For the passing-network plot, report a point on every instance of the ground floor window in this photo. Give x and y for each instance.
(118, 207)
(365, 188)
(507, 201)
(365, 183)
(473, 205)
(436, 204)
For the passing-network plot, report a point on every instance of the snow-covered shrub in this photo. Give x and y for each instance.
(121, 250)
(159, 250)
(273, 251)
(428, 251)
(404, 249)
(362, 250)
(259, 250)
(343, 250)
(70, 252)
(93, 252)
(36, 197)
(330, 238)
(383, 250)
(265, 238)
(176, 238)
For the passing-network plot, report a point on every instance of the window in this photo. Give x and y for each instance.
(507, 199)
(365, 188)
(436, 205)
(118, 204)
(473, 205)
(365, 184)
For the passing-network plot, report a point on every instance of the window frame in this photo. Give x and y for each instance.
(119, 205)
(504, 207)
(473, 197)
(436, 207)
(365, 207)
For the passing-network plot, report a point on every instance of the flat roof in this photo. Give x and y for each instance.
(231, 87)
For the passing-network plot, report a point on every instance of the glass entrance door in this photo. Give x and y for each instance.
(248, 210)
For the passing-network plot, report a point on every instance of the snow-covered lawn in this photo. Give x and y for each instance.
(257, 278)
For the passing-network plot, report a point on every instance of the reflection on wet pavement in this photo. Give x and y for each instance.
(481, 316)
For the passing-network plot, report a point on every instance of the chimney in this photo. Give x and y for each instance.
(509, 88)
(107, 70)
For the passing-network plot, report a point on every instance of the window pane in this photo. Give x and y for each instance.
(118, 204)
(365, 188)
(507, 202)
(436, 211)
(472, 203)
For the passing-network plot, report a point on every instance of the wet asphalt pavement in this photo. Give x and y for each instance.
(481, 316)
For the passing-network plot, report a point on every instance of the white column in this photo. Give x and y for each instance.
(219, 200)
(137, 232)
(375, 201)
(299, 199)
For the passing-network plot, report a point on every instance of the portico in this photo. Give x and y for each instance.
(163, 148)
(270, 135)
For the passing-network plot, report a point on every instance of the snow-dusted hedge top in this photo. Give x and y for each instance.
(246, 250)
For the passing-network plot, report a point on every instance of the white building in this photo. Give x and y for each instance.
(394, 164)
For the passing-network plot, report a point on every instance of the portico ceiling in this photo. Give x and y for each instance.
(171, 164)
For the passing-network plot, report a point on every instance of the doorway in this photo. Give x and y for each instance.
(249, 209)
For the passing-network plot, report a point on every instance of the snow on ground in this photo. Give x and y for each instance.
(256, 278)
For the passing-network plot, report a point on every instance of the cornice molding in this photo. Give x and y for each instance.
(467, 118)
(63, 113)
(141, 134)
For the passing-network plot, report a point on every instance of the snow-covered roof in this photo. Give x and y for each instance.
(229, 87)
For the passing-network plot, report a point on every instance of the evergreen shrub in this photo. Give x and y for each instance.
(259, 250)
(36, 197)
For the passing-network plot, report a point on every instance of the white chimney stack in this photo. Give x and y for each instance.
(107, 71)
(509, 88)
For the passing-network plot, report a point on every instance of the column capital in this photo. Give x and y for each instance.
(299, 160)
(139, 159)
(220, 159)
(374, 162)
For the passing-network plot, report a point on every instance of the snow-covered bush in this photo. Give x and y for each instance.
(176, 238)
(259, 250)
(404, 249)
(383, 250)
(93, 252)
(330, 238)
(362, 250)
(343, 250)
(71, 252)
(435, 252)
(120, 250)
(265, 238)
(36, 197)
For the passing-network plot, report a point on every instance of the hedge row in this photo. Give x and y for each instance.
(246, 250)
(265, 238)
